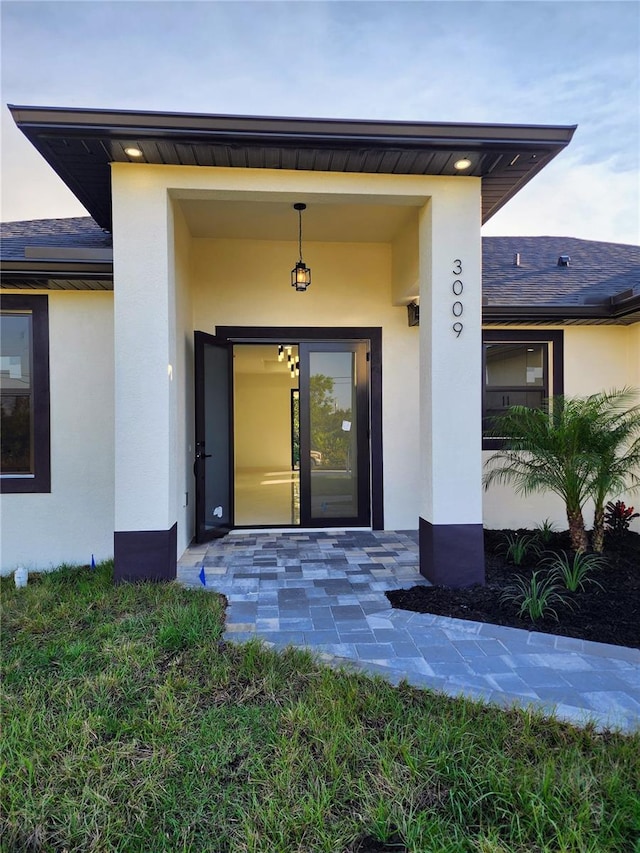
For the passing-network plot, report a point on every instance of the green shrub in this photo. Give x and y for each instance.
(574, 570)
(545, 530)
(518, 545)
(536, 598)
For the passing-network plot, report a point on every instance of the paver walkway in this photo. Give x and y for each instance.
(325, 591)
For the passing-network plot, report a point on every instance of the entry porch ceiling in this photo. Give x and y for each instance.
(80, 144)
(324, 221)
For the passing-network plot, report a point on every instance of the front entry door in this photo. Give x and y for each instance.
(213, 468)
(334, 434)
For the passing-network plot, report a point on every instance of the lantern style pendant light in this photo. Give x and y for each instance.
(300, 274)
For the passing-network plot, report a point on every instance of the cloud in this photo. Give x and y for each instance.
(512, 62)
(568, 198)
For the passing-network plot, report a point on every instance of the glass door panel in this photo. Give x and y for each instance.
(334, 451)
(266, 478)
(212, 466)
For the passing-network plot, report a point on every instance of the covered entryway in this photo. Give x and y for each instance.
(286, 420)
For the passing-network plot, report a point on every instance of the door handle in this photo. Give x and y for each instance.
(199, 455)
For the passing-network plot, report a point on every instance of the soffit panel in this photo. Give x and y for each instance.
(81, 144)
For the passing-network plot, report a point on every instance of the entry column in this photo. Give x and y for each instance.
(145, 405)
(451, 533)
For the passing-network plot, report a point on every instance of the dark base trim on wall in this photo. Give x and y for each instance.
(145, 555)
(452, 554)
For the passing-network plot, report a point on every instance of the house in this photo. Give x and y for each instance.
(232, 338)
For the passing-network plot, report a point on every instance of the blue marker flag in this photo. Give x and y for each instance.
(203, 577)
(93, 562)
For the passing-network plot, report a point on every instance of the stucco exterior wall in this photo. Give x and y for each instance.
(351, 286)
(450, 414)
(245, 283)
(76, 519)
(184, 381)
(596, 358)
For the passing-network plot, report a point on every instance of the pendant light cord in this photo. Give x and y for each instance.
(300, 233)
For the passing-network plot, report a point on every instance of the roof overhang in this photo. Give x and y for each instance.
(52, 274)
(80, 145)
(617, 312)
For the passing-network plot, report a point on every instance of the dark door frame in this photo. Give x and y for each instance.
(302, 334)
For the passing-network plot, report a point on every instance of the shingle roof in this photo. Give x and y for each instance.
(596, 272)
(77, 232)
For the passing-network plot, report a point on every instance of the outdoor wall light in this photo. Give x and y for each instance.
(461, 164)
(300, 274)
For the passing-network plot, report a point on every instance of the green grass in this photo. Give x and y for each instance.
(128, 725)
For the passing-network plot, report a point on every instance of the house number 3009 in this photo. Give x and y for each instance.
(457, 288)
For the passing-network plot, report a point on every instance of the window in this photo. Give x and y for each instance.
(520, 368)
(24, 394)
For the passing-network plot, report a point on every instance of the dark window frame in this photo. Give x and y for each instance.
(40, 482)
(554, 367)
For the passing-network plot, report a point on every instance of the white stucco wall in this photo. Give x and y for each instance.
(184, 382)
(351, 286)
(596, 358)
(76, 519)
(450, 347)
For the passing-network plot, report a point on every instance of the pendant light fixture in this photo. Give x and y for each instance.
(300, 274)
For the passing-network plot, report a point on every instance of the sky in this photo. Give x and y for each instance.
(500, 61)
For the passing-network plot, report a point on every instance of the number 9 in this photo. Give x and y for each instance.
(457, 328)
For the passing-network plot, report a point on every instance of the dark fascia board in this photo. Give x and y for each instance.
(147, 123)
(603, 311)
(16, 270)
(42, 124)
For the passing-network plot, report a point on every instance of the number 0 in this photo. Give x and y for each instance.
(457, 308)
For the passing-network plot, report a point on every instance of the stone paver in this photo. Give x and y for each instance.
(325, 591)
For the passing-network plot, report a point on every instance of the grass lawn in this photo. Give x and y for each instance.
(128, 725)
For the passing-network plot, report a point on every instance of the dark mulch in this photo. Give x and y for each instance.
(607, 615)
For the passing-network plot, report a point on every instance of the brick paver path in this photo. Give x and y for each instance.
(325, 591)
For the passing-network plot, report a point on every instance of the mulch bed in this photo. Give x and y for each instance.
(610, 614)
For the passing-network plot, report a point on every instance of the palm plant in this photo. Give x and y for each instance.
(616, 441)
(575, 447)
(548, 449)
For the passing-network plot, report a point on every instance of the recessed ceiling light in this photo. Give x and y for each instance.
(133, 152)
(464, 163)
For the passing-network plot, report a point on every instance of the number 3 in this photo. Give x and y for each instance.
(457, 266)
